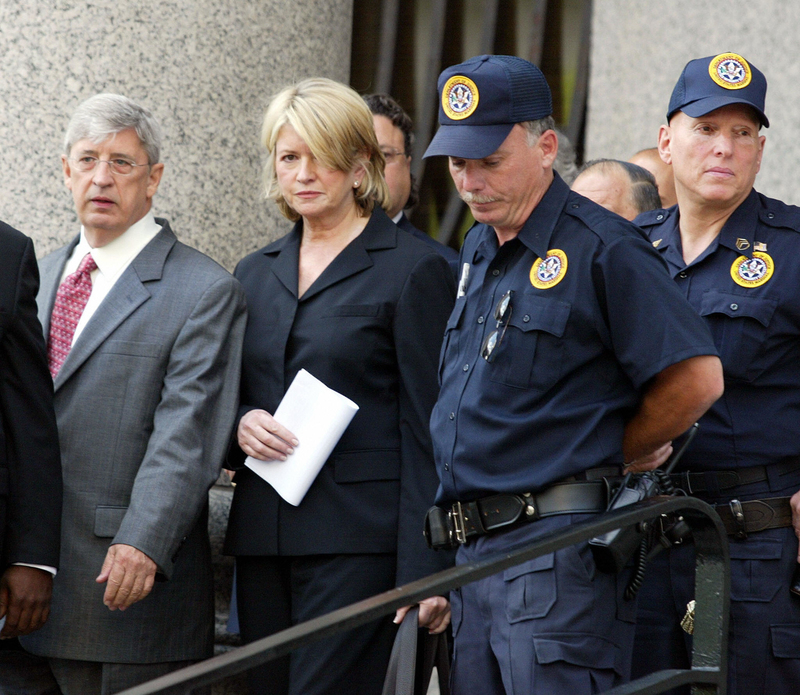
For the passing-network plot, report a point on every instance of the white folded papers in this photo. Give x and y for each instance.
(317, 416)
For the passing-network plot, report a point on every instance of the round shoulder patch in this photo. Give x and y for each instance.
(730, 70)
(459, 97)
(548, 272)
(752, 272)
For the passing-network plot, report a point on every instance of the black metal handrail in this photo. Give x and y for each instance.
(712, 588)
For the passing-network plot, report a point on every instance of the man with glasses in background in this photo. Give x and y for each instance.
(395, 133)
(144, 349)
(568, 353)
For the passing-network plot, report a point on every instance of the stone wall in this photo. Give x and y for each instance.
(205, 68)
(638, 52)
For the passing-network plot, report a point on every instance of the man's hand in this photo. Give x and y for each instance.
(794, 502)
(650, 461)
(130, 575)
(24, 599)
(434, 613)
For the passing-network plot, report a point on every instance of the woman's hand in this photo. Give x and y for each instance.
(261, 436)
(434, 613)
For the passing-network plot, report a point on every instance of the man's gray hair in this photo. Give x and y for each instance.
(534, 129)
(104, 115)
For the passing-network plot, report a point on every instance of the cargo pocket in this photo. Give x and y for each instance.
(600, 657)
(739, 325)
(531, 353)
(530, 589)
(756, 572)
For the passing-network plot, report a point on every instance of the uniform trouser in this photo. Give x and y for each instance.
(551, 625)
(275, 593)
(764, 635)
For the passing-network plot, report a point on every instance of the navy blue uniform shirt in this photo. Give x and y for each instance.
(577, 349)
(746, 285)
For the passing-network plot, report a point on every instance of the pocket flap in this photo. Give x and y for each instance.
(760, 549)
(107, 521)
(535, 313)
(543, 562)
(587, 651)
(785, 641)
(371, 464)
(738, 306)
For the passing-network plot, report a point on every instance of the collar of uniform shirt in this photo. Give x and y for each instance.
(742, 218)
(115, 256)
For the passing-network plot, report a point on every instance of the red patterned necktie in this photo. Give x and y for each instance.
(71, 300)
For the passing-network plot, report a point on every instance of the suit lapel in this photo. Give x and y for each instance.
(380, 233)
(50, 270)
(285, 267)
(125, 297)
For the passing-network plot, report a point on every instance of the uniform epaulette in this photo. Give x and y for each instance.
(775, 213)
(606, 225)
(652, 217)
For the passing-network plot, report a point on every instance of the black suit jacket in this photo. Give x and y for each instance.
(450, 255)
(370, 327)
(30, 464)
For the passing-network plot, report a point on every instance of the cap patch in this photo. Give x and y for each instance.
(548, 272)
(730, 70)
(459, 97)
(752, 272)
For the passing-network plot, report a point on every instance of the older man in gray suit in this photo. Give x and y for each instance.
(144, 346)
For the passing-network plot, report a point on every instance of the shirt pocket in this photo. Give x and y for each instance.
(739, 325)
(531, 353)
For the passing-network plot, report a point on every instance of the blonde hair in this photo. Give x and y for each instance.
(337, 126)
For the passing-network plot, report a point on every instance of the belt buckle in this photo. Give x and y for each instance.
(738, 519)
(457, 515)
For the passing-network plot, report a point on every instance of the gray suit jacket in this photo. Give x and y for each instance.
(145, 404)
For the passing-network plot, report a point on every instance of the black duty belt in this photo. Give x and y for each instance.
(742, 518)
(447, 528)
(734, 477)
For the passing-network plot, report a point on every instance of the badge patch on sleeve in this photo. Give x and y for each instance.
(459, 97)
(752, 272)
(548, 272)
(730, 70)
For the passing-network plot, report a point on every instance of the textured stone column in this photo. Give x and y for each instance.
(206, 68)
(639, 49)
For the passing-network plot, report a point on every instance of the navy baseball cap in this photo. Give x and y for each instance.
(482, 99)
(709, 83)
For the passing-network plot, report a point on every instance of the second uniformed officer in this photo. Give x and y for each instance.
(569, 351)
(733, 253)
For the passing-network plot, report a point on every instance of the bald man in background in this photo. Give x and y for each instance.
(651, 160)
(621, 187)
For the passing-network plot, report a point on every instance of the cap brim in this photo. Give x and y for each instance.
(703, 106)
(468, 141)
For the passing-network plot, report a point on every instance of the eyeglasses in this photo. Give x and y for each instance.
(502, 314)
(391, 155)
(118, 166)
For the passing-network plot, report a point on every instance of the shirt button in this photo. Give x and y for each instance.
(770, 215)
(734, 307)
(683, 274)
(452, 416)
(659, 217)
(575, 206)
(526, 318)
(466, 367)
(447, 466)
(480, 319)
(495, 272)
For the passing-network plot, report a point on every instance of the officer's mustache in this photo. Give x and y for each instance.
(470, 198)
